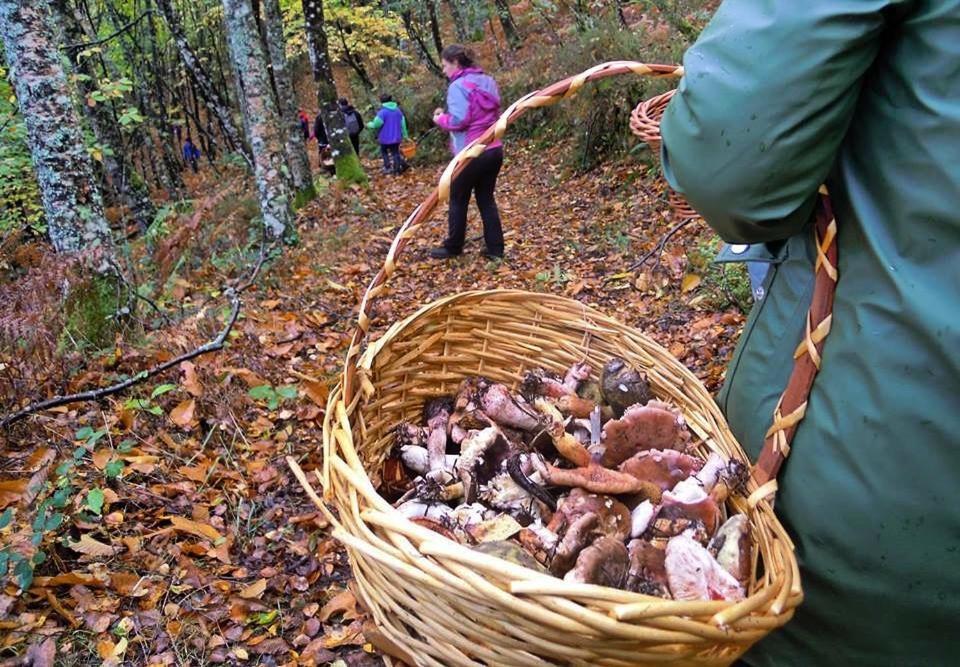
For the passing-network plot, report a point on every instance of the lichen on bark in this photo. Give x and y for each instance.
(262, 120)
(71, 200)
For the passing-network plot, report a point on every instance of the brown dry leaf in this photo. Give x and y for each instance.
(67, 579)
(105, 648)
(190, 381)
(11, 490)
(127, 583)
(689, 282)
(270, 304)
(182, 415)
(101, 458)
(197, 473)
(351, 634)
(316, 391)
(254, 590)
(249, 377)
(204, 530)
(344, 602)
(91, 547)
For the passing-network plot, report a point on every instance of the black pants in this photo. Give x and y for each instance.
(355, 140)
(194, 165)
(393, 162)
(480, 178)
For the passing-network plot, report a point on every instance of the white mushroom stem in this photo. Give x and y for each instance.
(641, 517)
(413, 509)
(417, 460)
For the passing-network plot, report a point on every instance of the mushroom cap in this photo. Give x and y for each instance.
(623, 386)
(652, 426)
(663, 467)
(614, 517)
(604, 563)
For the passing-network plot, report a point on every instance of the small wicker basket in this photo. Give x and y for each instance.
(645, 123)
(437, 602)
(408, 148)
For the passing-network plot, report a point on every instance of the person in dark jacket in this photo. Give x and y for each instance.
(191, 154)
(778, 98)
(353, 121)
(473, 105)
(304, 125)
(393, 129)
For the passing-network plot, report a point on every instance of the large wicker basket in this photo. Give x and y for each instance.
(437, 602)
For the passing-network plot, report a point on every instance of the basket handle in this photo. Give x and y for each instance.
(540, 98)
(645, 123)
(793, 402)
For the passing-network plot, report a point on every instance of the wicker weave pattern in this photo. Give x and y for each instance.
(444, 603)
(436, 602)
(645, 123)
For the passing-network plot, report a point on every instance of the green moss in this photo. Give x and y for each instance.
(349, 169)
(90, 312)
(304, 197)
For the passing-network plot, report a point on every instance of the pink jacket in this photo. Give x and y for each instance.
(473, 105)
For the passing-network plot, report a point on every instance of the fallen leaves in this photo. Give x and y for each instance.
(197, 528)
(91, 547)
(255, 590)
(183, 414)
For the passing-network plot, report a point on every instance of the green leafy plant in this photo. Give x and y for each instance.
(273, 396)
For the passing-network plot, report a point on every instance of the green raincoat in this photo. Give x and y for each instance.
(864, 95)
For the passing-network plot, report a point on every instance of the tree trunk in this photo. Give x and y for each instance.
(352, 60)
(435, 26)
(459, 23)
(349, 169)
(130, 190)
(417, 38)
(215, 104)
(506, 21)
(296, 147)
(263, 122)
(71, 201)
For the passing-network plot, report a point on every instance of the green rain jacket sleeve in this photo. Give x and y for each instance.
(767, 95)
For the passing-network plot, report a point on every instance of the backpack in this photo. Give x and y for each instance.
(480, 101)
(351, 122)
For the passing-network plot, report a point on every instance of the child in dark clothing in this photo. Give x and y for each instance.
(393, 129)
(191, 154)
(352, 121)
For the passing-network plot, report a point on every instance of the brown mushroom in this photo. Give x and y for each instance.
(623, 386)
(647, 573)
(567, 445)
(656, 425)
(604, 563)
(597, 479)
(663, 467)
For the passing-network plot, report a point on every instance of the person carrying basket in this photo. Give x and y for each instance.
(776, 99)
(473, 105)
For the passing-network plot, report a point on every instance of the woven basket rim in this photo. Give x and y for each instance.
(348, 477)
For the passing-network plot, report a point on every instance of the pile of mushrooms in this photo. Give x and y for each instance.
(591, 481)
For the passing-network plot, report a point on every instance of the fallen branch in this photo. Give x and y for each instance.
(211, 346)
(658, 250)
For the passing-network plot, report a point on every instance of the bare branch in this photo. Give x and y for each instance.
(211, 346)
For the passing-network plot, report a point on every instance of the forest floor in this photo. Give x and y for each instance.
(170, 527)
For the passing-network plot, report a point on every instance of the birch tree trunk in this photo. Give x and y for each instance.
(71, 201)
(349, 169)
(263, 122)
(215, 103)
(296, 147)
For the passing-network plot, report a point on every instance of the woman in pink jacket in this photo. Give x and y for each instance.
(473, 105)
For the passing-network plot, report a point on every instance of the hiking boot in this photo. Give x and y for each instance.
(443, 253)
(493, 255)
